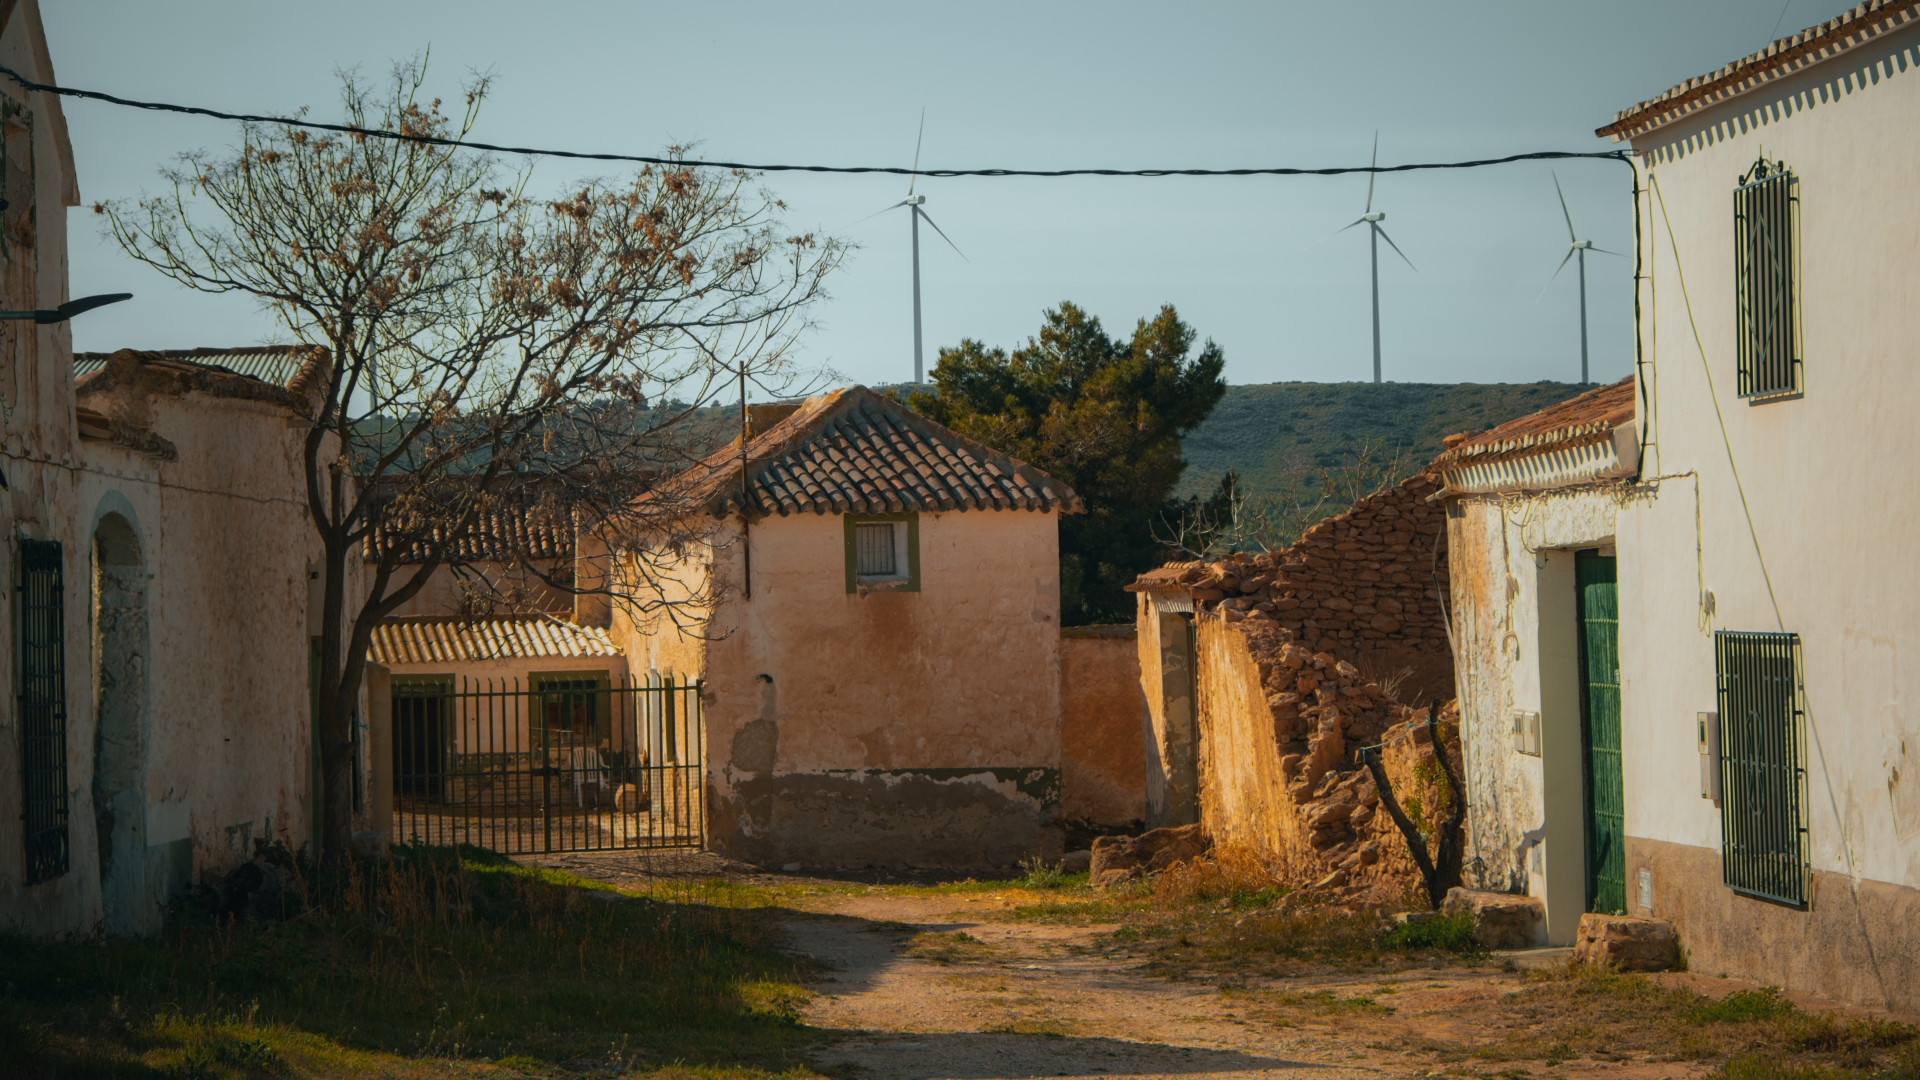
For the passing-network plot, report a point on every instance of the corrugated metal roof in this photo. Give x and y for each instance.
(854, 451)
(445, 640)
(276, 364)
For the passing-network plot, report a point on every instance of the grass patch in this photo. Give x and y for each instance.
(957, 947)
(1442, 933)
(444, 955)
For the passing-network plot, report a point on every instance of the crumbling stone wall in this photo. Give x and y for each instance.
(1293, 647)
(1364, 585)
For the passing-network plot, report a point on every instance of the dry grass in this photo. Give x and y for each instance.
(462, 957)
(1570, 1012)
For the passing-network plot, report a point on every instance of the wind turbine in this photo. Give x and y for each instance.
(1372, 218)
(1576, 247)
(913, 203)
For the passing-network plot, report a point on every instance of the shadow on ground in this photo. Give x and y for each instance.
(995, 1055)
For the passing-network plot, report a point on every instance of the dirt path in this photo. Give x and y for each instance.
(907, 999)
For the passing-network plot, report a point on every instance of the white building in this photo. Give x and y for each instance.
(1738, 536)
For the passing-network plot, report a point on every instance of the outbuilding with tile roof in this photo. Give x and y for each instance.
(877, 636)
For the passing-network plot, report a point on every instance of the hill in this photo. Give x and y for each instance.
(1268, 430)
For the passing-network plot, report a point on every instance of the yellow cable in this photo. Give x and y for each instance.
(1713, 396)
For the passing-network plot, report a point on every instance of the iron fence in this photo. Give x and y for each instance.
(1763, 775)
(563, 763)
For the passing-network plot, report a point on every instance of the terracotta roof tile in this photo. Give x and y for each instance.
(855, 451)
(1816, 44)
(289, 367)
(1590, 417)
(503, 534)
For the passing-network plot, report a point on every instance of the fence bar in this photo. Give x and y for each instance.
(564, 764)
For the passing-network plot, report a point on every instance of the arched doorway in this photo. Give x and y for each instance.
(119, 609)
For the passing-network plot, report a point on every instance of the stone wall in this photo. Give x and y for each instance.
(1102, 750)
(1363, 585)
(1305, 656)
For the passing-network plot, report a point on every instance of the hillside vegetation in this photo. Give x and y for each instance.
(1269, 431)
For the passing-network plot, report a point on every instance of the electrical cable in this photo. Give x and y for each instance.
(885, 170)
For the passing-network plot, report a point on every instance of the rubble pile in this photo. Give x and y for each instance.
(1360, 588)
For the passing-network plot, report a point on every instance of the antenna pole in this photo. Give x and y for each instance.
(1373, 231)
(1583, 316)
(919, 369)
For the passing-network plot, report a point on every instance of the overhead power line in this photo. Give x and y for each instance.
(643, 159)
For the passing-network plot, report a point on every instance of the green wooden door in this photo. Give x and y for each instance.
(1600, 725)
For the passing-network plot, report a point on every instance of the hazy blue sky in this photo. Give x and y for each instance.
(1029, 85)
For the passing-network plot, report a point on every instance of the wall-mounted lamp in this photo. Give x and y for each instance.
(69, 309)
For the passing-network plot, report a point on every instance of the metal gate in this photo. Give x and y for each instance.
(566, 763)
(1600, 699)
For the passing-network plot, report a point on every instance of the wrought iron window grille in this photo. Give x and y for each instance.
(41, 664)
(1763, 759)
(1766, 217)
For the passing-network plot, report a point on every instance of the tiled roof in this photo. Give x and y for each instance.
(502, 534)
(854, 451)
(1575, 440)
(1811, 46)
(280, 365)
(444, 640)
(1161, 577)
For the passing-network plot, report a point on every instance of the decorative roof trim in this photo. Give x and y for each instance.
(1608, 455)
(1787, 56)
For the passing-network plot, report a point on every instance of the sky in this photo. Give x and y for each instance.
(1248, 262)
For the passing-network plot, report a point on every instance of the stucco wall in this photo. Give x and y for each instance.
(887, 728)
(1102, 724)
(1514, 621)
(1164, 638)
(1811, 537)
(1287, 785)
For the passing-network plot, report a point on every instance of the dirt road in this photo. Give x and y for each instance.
(921, 984)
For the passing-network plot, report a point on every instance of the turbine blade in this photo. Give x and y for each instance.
(943, 236)
(1555, 274)
(1395, 247)
(914, 176)
(1604, 251)
(877, 213)
(1337, 232)
(1371, 175)
(1563, 208)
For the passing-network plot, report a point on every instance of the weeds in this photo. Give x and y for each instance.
(1037, 873)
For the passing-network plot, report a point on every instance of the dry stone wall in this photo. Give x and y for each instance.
(1293, 647)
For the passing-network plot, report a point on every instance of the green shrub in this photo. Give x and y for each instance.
(1762, 1004)
(1447, 933)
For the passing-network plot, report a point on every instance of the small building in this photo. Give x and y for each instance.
(162, 612)
(1770, 748)
(1532, 513)
(874, 620)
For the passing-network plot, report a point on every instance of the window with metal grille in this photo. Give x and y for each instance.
(1763, 776)
(876, 552)
(40, 631)
(1766, 220)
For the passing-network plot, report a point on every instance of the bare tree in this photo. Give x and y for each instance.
(1234, 520)
(488, 349)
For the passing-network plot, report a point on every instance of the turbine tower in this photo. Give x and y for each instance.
(914, 203)
(1372, 218)
(1577, 248)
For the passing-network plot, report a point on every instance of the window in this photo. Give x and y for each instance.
(40, 631)
(875, 542)
(1766, 220)
(883, 552)
(1763, 832)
